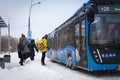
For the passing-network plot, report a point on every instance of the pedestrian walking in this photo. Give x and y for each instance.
(32, 47)
(42, 45)
(23, 48)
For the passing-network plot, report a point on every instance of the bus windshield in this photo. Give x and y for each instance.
(105, 29)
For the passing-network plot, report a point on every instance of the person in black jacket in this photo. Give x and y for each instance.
(32, 46)
(23, 49)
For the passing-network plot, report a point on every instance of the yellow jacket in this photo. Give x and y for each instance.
(45, 43)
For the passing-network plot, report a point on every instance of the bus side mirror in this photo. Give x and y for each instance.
(90, 13)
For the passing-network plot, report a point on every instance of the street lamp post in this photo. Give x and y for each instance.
(9, 36)
(29, 31)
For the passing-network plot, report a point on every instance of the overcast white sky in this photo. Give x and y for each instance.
(45, 17)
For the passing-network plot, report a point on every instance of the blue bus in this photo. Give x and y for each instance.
(90, 39)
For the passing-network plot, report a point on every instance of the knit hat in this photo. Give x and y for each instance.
(46, 35)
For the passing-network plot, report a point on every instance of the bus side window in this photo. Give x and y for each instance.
(83, 43)
(77, 36)
(83, 35)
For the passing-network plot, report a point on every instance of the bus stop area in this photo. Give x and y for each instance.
(4, 57)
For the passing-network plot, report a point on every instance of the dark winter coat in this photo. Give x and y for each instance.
(25, 43)
(32, 47)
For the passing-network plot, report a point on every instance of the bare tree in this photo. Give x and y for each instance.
(13, 43)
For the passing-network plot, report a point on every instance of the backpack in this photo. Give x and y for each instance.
(40, 44)
(20, 45)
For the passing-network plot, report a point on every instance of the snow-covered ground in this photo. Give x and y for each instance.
(33, 70)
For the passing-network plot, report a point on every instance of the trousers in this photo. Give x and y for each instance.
(43, 58)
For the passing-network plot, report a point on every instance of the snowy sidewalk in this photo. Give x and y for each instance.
(32, 70)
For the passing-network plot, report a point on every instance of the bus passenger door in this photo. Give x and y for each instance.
(81, 57)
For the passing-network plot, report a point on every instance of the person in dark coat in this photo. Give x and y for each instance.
(23, 53)
(32, 47)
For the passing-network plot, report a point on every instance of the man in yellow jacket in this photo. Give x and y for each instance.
(44, 49)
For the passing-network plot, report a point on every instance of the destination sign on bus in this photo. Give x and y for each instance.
(108, 9)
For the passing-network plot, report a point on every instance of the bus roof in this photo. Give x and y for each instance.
(104, 2)
(98, 2)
